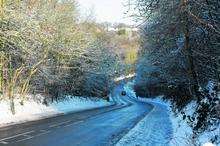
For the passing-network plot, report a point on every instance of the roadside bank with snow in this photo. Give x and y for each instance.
(153, 130)
(33, 110)
(162, 118)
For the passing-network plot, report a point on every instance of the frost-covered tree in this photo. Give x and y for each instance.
(45, 48)
(180, 53)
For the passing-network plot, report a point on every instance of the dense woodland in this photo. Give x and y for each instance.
(48, 48)
(180, 56)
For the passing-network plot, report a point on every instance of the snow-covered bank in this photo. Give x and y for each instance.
(32, 110)
(153, 130)
(182, 133)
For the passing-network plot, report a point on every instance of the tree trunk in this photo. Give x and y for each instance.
(188, 50)
(12, 105)
(11, 98)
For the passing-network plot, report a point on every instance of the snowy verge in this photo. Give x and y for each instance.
(182, 132)
(33, 110)
(154, 129)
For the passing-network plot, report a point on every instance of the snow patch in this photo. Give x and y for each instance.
(129, 89)
(124, 77)
(208, 144)
(182, 132)
(35, 110)
(154, 129)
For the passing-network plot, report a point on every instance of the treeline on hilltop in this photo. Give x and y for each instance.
(47, 48)
(179, 55)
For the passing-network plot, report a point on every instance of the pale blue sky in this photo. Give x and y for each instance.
(107, 10)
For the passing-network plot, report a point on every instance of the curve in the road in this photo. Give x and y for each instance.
(95, 127)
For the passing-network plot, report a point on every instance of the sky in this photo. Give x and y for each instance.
(106, 10)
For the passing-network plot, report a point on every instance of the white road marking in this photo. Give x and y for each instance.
(58, 124)
(28, 137)
(3, 142)
(42, 133)
(21, 134)
(31, 137)
(73, 123)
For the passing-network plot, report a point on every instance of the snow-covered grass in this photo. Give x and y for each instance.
(153, 130)
(182, 133)
(35, 110)
(208, 144)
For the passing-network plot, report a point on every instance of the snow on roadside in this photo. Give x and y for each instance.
(32, 110)
(79, 103)
(153, 130)
(182, 132)
(129, 89)
(205, 137)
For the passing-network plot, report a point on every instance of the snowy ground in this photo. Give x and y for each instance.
(154, 129)
(183, 132)
(32, 110)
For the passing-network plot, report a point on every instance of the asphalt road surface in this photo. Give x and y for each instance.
(96, 127)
